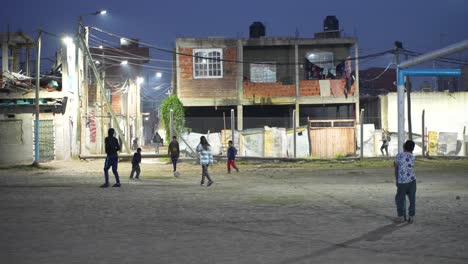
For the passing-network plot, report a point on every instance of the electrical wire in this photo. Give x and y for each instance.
(141, 65)
(443, 59)
(227, 60)
(380, 75)
(95, 40)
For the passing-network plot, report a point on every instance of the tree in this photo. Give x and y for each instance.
(172, 102)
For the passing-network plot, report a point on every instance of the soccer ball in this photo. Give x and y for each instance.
(176, 174)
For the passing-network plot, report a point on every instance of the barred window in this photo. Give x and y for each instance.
(263, 72)
(207, 63)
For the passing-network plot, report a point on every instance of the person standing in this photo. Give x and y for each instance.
(231, 156)
(206, 159)
(112, 146)
(385, 140)
(136, 164)
(157, 140)
(174, 151)
(405, 182)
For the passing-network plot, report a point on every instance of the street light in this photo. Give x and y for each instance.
(67, 40)
(140, 80)
(124, 62)
(158, 75)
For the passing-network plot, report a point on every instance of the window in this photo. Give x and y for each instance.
(263, 72)
(207, 63)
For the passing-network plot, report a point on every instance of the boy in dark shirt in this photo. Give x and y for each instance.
(112, 146)
(231, 155)
(174, 151)
(136, 164)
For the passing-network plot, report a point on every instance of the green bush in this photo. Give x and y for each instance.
(175, 104)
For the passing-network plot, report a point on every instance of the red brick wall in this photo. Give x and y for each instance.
(207, 88)
(309, 88)
(262, 90)
(91, 93)
(116, 102)
(306, 88)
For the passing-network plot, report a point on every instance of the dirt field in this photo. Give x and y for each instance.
(310, 212)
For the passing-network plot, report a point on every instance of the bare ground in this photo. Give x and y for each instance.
(317, 212)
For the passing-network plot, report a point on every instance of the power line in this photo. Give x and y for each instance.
(141, 65)
(380, 75)
(136, 56)
(443, 59)
(227, 60)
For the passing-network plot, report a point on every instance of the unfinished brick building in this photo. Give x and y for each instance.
(265, 78)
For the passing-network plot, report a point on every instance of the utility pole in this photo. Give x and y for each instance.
(233, 122)
(38, 83)
(85, 83)
(400, 98)
(101, 97)
(408, 103)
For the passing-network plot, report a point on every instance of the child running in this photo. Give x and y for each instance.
(206, 158)
(231, 156)
(406, 182)
(136, 164)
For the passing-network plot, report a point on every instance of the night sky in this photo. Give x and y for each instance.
(422, 25)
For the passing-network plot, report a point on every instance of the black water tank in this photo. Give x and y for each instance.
(331, 23)
(257, 29)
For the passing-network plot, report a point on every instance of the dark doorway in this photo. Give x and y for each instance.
(258, 116)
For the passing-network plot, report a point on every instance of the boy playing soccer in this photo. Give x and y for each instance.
(406, 182)
(112, 160)
(136, 164)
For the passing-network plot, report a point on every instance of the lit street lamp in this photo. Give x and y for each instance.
(140, 80)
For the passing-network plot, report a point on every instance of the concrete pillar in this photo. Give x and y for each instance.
(5, 59)
(296, 62)
(240, 117)
(28, 57)
(239, 85)
(16, 56)
(356, 93)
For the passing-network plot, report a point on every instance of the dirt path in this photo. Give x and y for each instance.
(267, 213)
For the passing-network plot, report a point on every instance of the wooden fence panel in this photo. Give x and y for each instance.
(329, 142)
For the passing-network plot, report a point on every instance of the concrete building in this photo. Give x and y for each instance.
(265, 78)
(57, 119)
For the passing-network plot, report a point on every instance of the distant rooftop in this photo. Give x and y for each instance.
(16, 38)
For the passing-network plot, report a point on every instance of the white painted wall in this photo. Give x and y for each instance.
(445, 112)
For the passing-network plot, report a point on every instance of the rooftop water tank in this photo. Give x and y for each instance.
(331, 23)
(257, 30)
